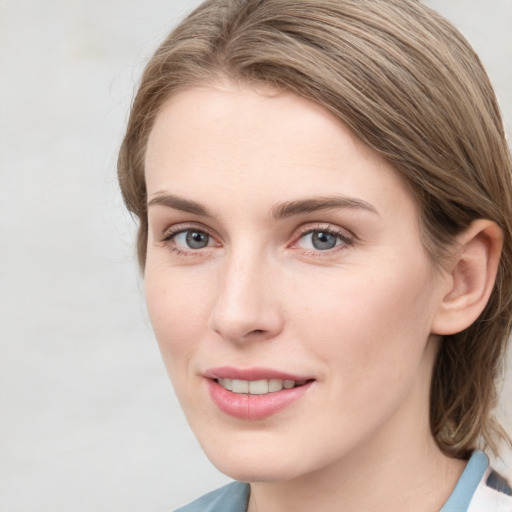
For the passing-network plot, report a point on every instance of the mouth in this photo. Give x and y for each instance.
(256, 393)
(259, 387)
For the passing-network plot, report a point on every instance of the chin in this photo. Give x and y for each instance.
(250, 461)
(249, 471)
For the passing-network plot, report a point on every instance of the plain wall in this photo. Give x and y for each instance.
(88, 421)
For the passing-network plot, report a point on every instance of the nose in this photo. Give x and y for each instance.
(246, 307)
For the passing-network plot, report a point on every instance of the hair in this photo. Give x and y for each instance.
(408, 85)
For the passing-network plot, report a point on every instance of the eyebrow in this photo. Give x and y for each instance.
(178, 203)
(279, 211)
(311, 205)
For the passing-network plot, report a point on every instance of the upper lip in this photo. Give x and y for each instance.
(228, 372)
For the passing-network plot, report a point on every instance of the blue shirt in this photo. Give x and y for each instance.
(479, 489)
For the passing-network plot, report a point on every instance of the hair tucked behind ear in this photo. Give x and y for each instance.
(408, 85)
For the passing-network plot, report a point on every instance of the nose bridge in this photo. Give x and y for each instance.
(245, 306)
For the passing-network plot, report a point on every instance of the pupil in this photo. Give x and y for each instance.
(197, 240)
(323, 241)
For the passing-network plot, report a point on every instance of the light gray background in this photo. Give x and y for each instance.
(88, 419)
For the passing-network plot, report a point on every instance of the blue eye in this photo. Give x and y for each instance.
(192, 239)
(321, 240)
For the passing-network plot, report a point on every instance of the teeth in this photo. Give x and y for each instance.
(240, 386)
(258, 387)
(226, 383)
(275, 385)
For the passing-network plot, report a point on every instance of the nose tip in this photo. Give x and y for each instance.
(244, 322)
(245, 308)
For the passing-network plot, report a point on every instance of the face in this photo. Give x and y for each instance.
(287, 284)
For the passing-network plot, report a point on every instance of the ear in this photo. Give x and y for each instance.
(470, 278)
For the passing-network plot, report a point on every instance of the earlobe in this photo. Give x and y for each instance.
(471, 277)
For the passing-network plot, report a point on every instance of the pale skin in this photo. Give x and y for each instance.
(307, 258)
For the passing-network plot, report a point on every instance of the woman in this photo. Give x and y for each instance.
(325, 204)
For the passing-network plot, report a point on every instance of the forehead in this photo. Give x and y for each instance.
(238, 141)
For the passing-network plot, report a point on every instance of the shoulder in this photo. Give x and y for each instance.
(480, 489)
(230, 498)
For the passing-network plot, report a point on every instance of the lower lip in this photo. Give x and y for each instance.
(254, 407)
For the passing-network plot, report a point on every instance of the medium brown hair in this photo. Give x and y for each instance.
(407, 84)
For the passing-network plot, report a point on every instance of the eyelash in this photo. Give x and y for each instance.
(347, 240)
(174, 231)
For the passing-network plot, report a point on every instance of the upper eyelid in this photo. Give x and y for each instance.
(325, 226)
(182, 227)
(170, 232)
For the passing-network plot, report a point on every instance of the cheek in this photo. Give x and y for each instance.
(178, 318)
(372, 342)
(369, 323)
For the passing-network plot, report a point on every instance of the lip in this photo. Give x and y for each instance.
(253, 407)
(228, 372)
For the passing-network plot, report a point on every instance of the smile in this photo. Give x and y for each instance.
(258, 387)
(257, 398)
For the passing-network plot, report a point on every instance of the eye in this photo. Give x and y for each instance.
(323, 240)
(189, 239)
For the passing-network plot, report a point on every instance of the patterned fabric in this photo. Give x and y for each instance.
(493, 494)
(479, 489)
(497, 482)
